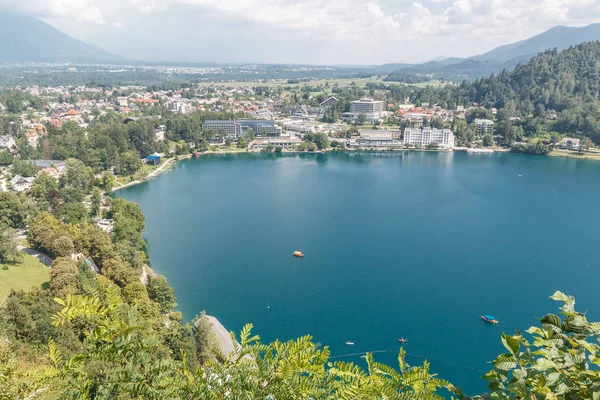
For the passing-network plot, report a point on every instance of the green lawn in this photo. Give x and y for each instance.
(573, 154)
(30, 273)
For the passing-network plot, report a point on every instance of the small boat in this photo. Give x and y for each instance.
(402, 340)
(350, 343)
(489, 318)
(298, 254)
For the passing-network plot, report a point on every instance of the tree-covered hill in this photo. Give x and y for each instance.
(554, 92)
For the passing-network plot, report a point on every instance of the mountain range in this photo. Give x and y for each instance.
(501, 58)
(27, 39)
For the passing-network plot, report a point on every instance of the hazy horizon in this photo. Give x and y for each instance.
(312, 32)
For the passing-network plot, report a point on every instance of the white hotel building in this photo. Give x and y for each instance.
(444, 138)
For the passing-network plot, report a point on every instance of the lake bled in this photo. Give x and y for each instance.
(413, 244)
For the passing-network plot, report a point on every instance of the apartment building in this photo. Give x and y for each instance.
(423, 137)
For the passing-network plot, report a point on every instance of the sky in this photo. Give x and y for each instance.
(348, 32)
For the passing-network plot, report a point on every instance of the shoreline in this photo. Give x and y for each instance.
(163, 167)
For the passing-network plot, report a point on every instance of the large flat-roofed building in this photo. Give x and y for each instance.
(424, 137)
(392, 133)
(285, 142)
(366, 106)
(232, 129)
(261, 127)
(484, 127)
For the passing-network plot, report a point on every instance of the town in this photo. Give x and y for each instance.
(254, 118)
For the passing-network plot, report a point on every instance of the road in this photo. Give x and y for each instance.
(44, 258)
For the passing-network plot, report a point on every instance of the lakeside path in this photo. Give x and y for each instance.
(154, 173)
(163, 167)
(43, 258)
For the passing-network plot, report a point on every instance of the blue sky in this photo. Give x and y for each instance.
(304, 31)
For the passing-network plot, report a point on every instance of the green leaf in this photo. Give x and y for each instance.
(511, 343)
(551, 319)
(505, 362)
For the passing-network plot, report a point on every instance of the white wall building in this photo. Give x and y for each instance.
(366, 106)
(444, 138)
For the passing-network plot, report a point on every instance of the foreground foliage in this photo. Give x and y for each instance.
(122, 357)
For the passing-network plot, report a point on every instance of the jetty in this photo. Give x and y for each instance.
(226, 344)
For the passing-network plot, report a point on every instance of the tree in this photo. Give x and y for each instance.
(8, 246)
(320, 139)
(73, 213)
(161, 292)
(44, 230)
(45, 191)
(115, 270)
(242, 143)
(5, 157)
(95, 201)
(205, 338)
(76, 182)
(12, 210)
(129, 163)
(62, 246)
(361, 119)
(584, 145)
(488, 140)
(269, 149)
(24, 168)
(108, 181)
(63, 277)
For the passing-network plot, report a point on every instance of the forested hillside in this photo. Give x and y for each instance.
(555, 92)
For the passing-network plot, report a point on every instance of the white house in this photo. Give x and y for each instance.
(569, 144)
(20, 184)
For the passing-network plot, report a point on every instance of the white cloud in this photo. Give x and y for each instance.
(382, 30)
(91, 14)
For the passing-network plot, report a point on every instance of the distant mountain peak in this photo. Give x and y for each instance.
(559, 37)
(27, 39)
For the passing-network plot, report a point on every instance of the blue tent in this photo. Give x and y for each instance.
(153, 160)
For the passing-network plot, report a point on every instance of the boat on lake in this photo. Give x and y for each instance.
(350, 343)
(402, 340)
(298, 254)
(489, 318)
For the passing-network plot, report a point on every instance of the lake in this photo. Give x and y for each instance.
(413, 244)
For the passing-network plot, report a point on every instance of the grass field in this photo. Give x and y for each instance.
(572, 154)
(30, 273)
(361, 82)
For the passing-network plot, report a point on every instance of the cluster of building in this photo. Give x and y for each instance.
(19, 184)
(389, 139)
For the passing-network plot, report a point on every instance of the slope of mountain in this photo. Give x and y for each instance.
(26, 39)
(559, 37)
(505, 57)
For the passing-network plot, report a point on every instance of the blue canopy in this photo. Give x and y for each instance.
(489, 317)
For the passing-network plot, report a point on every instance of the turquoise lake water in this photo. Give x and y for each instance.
(416, 245)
